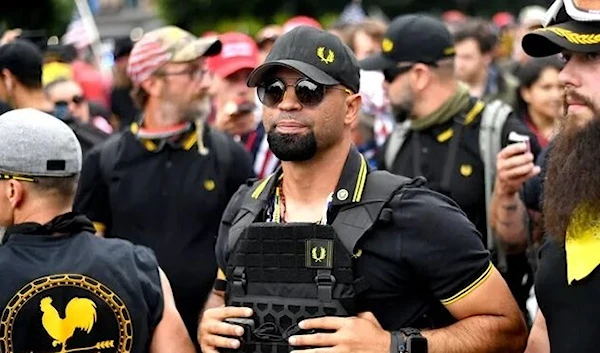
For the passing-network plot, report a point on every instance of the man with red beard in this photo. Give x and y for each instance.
(568, 283)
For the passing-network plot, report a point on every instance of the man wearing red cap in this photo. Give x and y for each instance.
(235, 111)
(300, 21)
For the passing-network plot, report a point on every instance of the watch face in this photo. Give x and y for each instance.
(417, 345)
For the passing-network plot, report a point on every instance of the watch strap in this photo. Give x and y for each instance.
(398, 344)
(409, 331)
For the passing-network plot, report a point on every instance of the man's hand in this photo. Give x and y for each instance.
(212, 328)
(10, 36)
(234, 124)
(360, 334)
(514, 166)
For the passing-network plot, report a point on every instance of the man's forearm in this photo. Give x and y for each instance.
(479, 334)
(508, 219)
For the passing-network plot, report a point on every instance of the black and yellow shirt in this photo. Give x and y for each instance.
(168, 197)
(429, 256)
(76, 291)
(424, 153)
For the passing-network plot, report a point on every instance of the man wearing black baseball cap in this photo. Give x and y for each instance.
(21, 76)
(325, 246)
(453, 139)
(568, 281)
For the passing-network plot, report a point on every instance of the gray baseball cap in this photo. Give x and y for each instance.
(34, 143)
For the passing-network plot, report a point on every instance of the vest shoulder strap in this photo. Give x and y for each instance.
(253, 202)
(354, 221)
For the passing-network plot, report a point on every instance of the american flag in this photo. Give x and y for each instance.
(353, 14)
(78, 34)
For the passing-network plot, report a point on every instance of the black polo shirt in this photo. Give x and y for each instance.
(571, 311)
(431, 150)
(169, 199)
(430, 254)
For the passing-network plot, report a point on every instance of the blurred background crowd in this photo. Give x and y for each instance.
(84, 70)
(85, 48)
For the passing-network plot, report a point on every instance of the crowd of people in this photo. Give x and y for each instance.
(413, 186)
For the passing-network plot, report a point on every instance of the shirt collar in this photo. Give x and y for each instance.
(188, 139)
(349, 188)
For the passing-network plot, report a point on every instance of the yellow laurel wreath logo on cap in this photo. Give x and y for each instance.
(330, 55)
(387, 45)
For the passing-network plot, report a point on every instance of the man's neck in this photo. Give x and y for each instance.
(434, 99)
(40, 213)
(544, 124)
(478, 85)
(311, 182)
(35, 99)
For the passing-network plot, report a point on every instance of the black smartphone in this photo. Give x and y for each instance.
(514, 137)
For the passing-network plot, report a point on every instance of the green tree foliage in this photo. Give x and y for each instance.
(249, 15)
(245, 15)
(51, 16)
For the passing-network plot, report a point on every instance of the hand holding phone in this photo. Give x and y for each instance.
(515, 137)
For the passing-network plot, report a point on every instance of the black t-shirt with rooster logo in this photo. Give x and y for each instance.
(76, 291)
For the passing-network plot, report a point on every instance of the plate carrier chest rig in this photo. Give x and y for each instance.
(290, 272)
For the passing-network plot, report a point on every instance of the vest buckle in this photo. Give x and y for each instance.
(240, 282)
(325, 282)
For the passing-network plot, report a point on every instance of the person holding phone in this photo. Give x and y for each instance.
(568, 281)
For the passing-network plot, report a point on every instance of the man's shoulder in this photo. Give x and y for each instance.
(420, 208)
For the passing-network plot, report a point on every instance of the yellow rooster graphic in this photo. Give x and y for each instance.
(80, 314)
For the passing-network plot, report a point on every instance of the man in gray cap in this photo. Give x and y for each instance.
(568, 280)
(61, 285)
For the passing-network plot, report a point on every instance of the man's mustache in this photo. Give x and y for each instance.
(298, 119)
(571, 94)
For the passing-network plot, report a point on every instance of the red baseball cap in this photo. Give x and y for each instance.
(453, 16)
(300, 21)
(238, 51)
(503, 19)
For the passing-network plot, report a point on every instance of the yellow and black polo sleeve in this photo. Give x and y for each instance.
(442, 245)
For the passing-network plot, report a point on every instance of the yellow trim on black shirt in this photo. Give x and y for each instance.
(151, 146)
(261, 187)
(361, 179)
(474, 112)
(469, 118)
(100, 227)
(470, 288)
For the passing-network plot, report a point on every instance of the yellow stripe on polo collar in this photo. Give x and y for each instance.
(188, 143)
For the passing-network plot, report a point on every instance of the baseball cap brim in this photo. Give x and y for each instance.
(305, 69)
(571, 35)
(229, 68)
(377, 62)
(206, 46)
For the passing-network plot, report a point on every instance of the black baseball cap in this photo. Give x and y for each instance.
(24, 60)
(579, 37)
(412, 39)
(317, 54)
(123, 47)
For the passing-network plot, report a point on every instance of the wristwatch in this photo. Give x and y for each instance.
(408, 340)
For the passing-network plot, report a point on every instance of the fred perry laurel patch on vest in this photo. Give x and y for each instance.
(319, 253)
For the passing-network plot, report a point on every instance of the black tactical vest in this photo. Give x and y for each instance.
(290, 272)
